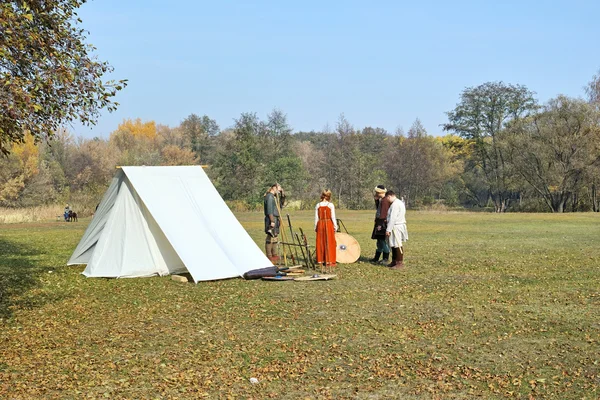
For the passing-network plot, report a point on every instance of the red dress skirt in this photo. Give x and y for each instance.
(326, 244)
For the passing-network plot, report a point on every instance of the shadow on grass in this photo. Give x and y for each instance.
(367, 260)
(18, 275)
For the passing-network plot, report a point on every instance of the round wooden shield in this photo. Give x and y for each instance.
(348, 249)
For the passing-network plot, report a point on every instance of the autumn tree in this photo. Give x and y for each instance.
(254, 154)
(199, 132)
(408, 165)
(352, 165)
(93, 165)
(290, 173)
(348, 161)
(137, 129)
(49, 76)
(168, 136)
(374, 141)
(136, 142)
(340, 162)
(554, 149)
(237, 170)
(593, 183)
(593, 89)
(312, 159)
(174, 155)
(419, 166)
(60, 150)
(17, 170)
(281, 164)
(278, 134)
(56, 158)
(469, 181)
(481, 115)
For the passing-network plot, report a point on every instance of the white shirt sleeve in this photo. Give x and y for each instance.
(333, 218)
(402, 216)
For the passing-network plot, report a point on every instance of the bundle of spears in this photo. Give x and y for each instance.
(297, 245)
(298, 248)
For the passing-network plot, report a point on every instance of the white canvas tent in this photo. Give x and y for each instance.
(165, 220)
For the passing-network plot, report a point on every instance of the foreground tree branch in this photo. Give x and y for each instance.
(48, 74)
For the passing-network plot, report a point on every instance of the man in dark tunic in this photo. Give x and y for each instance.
(272, 220)
(382, 204)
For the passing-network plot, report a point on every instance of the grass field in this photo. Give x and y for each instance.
(490, 306)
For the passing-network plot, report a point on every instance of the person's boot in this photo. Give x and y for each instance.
(399, 258)
(268, 250)
(376, 258)
(393, 263)
(385, 259)
(274, 257)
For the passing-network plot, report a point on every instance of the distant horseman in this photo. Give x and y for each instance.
(66, 212)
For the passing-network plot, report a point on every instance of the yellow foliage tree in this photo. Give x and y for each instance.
(461, 148)
(137, 142)
(18, 168)
(139, 129)
(28, 155)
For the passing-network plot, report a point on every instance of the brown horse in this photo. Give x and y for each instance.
(72, 216)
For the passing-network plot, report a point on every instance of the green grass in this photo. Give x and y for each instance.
(490, 305)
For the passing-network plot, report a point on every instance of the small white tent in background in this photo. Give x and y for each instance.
(164, 220)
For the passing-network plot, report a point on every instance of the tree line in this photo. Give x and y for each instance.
(501, 151)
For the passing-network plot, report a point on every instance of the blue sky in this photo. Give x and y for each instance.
(381, 63)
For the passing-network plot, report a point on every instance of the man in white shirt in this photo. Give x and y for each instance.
(396, 231)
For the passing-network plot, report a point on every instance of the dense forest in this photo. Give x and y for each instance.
(500, 150)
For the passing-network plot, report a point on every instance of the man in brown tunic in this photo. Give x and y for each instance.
(382, 204)
(272, 220)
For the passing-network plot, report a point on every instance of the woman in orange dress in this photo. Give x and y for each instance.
(325, 226)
